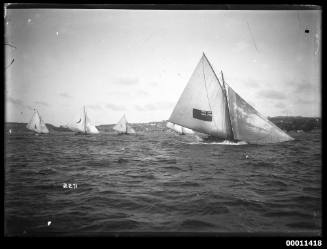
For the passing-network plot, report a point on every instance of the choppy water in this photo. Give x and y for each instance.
(160, 182)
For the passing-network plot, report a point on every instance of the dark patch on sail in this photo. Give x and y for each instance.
(79, 121)
(202, 115)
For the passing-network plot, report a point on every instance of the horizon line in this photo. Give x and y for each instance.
(163, 121)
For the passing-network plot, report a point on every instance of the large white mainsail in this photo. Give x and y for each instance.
(208, 107)
(37, 124)
(83, 125)
(123, 127)
(202, 105)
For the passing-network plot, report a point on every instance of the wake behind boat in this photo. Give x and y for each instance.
(215, 109)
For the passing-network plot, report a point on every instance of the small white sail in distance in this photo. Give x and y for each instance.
(83, 124)
(37, 124)
(179, 129)
(212, 108)
(123, 127)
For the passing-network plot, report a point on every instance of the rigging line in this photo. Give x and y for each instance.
(205, 85)
(227, 105)
(84, 120)
(220, 85)
(255, 45)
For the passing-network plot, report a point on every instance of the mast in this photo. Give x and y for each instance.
(40, 119)
(125, 124)
(227, 106)
(84, 120)
(224, 91)
(38, 115)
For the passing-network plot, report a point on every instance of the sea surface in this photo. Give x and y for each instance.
(158, 181)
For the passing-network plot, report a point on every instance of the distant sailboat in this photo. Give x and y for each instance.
(36, 124)
(83, 125)
(9, 131)
(123, 127)
(215, 109)
(179, 129)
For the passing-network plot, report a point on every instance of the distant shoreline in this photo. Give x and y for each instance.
(270, 118)
(287, 123)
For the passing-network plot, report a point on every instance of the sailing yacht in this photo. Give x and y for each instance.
(210, 106)
(84, 125)
(37, 124)
(123, 127)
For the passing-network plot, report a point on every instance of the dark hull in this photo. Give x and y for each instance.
(81, 134)
(41, 134)
(123, 133)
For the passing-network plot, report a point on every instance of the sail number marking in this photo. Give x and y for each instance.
(69, 185)
(202, 115)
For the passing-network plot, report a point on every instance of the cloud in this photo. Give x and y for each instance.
(65, 95)
(240, 46)
(265, 65)
(126, 81)
(141, 93)
(128, 94)
(308, 100)
(41, 103)
(139, 108)
(271, 94)
(119, 93)
(115, 107)
(15, 101)
(299, 58)
(280, 105)
(251, 83)
(94, 107)
(155, 106)
(303, 87)
(153, 83)
(18, 102)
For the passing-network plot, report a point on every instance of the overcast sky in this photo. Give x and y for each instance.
(138, 62)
